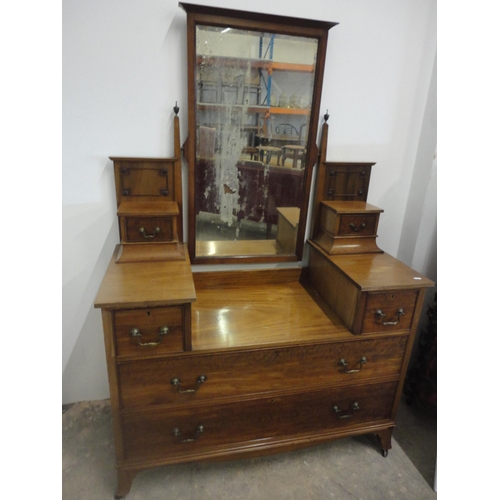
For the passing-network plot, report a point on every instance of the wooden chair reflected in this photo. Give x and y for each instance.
(294, 150)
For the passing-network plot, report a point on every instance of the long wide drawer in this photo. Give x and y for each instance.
(200, 377)
(191, 430)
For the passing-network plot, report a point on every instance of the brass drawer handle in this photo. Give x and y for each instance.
(357, 229)
(177, 383)
(135, 333)
(344, 363)
(400, 312)
(143, 232)
(178, 434)
(338, 411)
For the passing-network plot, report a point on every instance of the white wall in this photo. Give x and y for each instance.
(123, 69)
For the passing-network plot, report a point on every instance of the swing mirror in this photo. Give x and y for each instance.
(254, 86)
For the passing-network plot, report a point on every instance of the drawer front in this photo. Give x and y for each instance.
(358, 225)
(197, 429)
(391, 311)
(149, 229)
(143, 332)
(206, 377)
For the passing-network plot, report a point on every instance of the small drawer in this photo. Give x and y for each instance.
(149, 331)
(390, 311)
(349, 218)
(184, 431)
(201, 377)
(149, 229)
(358, 225)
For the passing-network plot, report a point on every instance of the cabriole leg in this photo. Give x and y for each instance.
(124, 483)
(384, 437)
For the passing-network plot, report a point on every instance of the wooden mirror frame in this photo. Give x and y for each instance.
(209, 16)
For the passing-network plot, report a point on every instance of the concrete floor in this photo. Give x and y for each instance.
(350, 468)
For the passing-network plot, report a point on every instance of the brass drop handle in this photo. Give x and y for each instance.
(136, 333)
(143, 232)
(178, 434)
(400, 312)
(344, 363)
(357, 229)
(338, 411)
(177, 383)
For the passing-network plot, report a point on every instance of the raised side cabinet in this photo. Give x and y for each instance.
(348, 227)
(372, 293)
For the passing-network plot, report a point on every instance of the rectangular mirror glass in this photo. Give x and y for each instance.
(253, 93)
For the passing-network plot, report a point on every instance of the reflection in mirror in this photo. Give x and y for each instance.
(253, 93)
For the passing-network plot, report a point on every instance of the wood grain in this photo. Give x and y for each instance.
(248, 423)
(150, 252)
(257, 308)
(377, 272)
(333, 286)
(351, 207)
(144, 284)
(148, 321)
(233, 374)
(148, 208)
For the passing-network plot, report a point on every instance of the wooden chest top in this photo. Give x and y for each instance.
(379, 271)
(143, 284)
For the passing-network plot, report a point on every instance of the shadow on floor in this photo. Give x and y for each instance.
(349, 468)
(416, 433)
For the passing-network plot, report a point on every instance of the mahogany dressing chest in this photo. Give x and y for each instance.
(217, 365)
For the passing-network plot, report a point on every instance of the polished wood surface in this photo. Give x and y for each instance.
(114, 382)
(389, 304)
(250, 308)
(346, 180)
(127, 254)
(148, 229)
(251, 422)
(265, 361)
(144, 179)
(348, 284)
(355, 285)
(333, 286)
(237, 373)
(351, 207)
(148, 208)
(146, 284)
(375, 272)
(286, 232)
(178, 175)
(291, 214)
(358, 225)
(334, 245)
(337, 217)
(347, 227)
(266, 344)
(256, 20)
(243, 248)
(148, 322)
